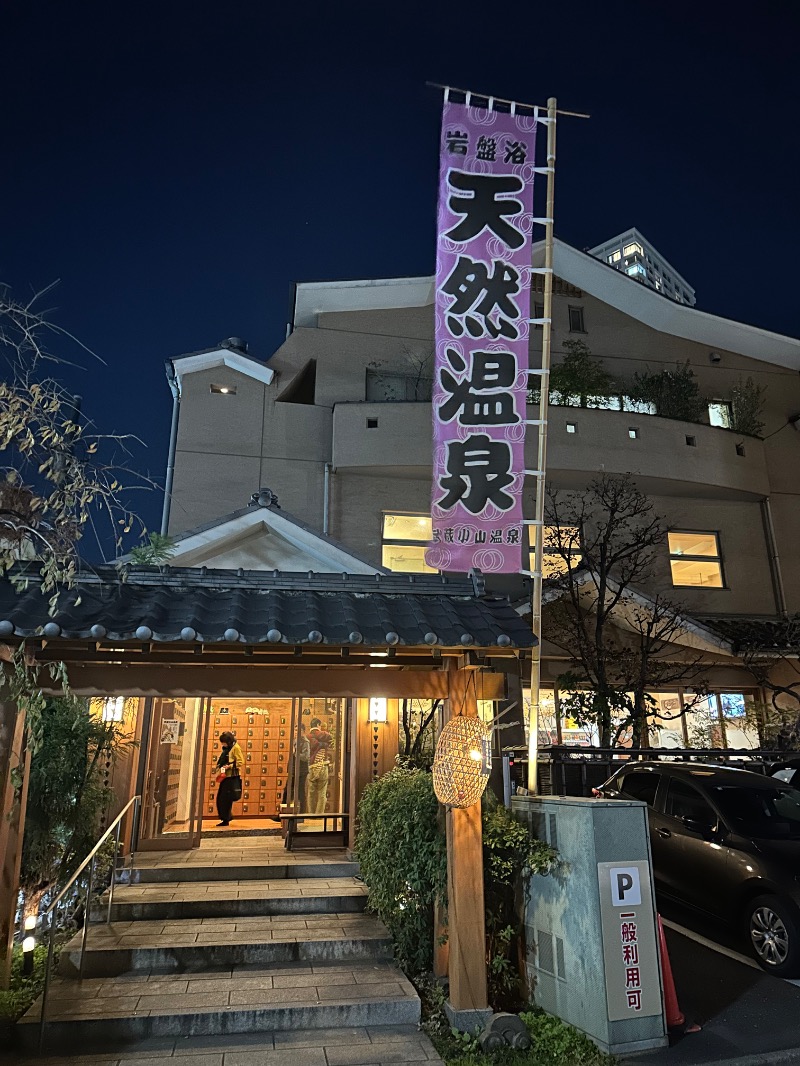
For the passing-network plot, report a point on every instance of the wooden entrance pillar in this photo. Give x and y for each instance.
(467, 1006)
(15, 763)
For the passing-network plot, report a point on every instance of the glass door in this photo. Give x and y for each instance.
(318, 787)
(175, 741)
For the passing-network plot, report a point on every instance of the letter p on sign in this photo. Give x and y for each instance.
(626, 889)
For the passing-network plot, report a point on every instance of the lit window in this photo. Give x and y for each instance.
(639, 407)
(615, 258)
(633, 249)
(719, 413)
(636, 270)
(558, 550)
(695, 560)
(405, 537)
(572, 427)
(633, 432)
(576, 323)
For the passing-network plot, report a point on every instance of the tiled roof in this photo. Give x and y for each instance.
(251, 607)
(769, 634)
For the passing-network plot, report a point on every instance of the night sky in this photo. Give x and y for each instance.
(176, 166)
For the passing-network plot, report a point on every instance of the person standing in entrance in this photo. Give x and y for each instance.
(320, 743)
(229, 788)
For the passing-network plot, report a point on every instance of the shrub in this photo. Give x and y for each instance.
(509, 854)
(579, 376)
(553, 1043)
(674, 393)
(747, 403)
(402, 854)
(23, 991)
(67, 794)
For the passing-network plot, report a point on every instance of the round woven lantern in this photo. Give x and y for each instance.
(462, 762)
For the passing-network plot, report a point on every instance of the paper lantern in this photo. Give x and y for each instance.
(462, 762)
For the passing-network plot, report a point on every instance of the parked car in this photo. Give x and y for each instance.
(727, 842)
(788, 771)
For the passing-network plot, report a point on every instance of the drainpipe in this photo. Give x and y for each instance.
(175, 388)
(326, 493)
(774, 560)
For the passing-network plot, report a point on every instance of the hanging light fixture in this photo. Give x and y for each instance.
(462, 762)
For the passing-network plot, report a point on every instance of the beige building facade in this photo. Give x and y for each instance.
(338, 425)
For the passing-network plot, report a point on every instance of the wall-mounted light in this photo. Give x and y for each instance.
(378, 709)
(223, 390)
(114, 708)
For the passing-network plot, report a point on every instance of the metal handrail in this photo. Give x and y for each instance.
(89, 861)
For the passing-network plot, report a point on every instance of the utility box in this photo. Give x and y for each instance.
(590, 933)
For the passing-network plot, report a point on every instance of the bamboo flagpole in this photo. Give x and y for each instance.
(541, 456)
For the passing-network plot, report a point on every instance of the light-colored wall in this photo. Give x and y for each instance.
(229, 446)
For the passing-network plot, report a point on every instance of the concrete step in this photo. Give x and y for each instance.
(376, 1045)
(191, 946)
(239, 871)
(172, 900)
(244, 1000)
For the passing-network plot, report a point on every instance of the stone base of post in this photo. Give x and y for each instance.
(467, 1021)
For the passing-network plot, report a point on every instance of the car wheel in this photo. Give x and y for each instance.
(774, 933)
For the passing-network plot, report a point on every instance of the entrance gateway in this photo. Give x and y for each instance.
(196, 652)
(178, 768)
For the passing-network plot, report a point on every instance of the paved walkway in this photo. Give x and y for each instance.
(351, 1046)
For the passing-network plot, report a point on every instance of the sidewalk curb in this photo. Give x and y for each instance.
(774, 1058)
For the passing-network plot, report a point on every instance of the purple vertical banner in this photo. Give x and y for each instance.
(483, 272)
(483, 264)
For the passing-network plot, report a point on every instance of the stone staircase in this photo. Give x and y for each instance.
(228, 940)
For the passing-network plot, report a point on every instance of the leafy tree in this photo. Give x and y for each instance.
(747, 403)
(59, 476)
(417, 725)
(579, 376)
(618, 537)
(674, 393)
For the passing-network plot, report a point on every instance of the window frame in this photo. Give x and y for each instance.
(404, 541)
(654, 775)
(718, 559)
(666, 802)
(727, 405)
(580, 312)
(574, 554)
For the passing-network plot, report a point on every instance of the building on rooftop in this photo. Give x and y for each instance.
(634, 255)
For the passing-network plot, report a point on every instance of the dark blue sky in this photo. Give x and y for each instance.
(178, 165)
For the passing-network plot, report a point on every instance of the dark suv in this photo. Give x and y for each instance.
(726, 842)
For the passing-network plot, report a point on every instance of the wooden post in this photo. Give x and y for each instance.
(16, 758)
(468, 1001)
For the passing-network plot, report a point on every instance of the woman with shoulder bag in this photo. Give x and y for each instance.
(229, 780)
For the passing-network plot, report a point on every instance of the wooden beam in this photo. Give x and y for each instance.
(247, 681)
(466, 917)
